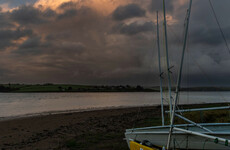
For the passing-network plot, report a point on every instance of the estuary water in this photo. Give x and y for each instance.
(19, 104)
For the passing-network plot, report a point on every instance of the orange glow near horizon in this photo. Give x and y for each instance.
(102, 6)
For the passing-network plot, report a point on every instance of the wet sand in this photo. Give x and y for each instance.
(98, 129)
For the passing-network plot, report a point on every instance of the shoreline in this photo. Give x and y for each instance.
(58, 130)
(92, 109)
(86, 130)
(57, 112)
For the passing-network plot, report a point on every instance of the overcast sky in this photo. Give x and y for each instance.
(110, 42)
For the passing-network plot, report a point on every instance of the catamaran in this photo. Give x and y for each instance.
(207, 136)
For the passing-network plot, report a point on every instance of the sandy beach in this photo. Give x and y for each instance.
(98, 129)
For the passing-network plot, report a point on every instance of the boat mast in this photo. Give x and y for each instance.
(167, 60)
(160, 72)
(179, 74)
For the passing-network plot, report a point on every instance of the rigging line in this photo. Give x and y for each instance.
(165, 89)
(167, 58)
(170, 29)
(218, 23)
(137, 117)
(221, 31)
(186, 49)
(165, 70)
(188, 68)
(183, 34)
(207, 77)
(151, 66)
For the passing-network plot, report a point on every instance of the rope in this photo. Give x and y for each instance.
(205, 142)
(226, 43)
(188, 68)
(151, 66)
(218, 23)
(138, 113)
(164, 66)
(183, 33)
(209, 80)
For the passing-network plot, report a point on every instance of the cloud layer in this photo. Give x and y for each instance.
(108, 42)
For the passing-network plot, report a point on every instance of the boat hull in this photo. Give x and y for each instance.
(180, 140)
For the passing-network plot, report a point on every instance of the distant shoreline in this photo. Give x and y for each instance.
(61, 88)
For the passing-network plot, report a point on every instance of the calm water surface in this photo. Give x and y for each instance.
(14, 104)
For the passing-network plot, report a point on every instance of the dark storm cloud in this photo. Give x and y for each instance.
(27, 15)
(31, 43)
(4, 21)
(79, 50)
(15, 3)
(208, 36)
(81, 44)
(14, 34)
(215, 56)
(67, 5)
(128, 11)
(32, 46)
(71, 46)
(68, 13)
(158, 5)
(69, 10)
(135, 28)
(7, 36)
(49, 13)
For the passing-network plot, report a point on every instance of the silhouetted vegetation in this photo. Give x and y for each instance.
(7, 88)
(49, 87)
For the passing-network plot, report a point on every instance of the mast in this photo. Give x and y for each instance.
(167, 60)
(179, 74)
(160, 72)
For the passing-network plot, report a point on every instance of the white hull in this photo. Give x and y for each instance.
(180, 140)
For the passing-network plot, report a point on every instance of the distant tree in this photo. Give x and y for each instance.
(70, 88)
(60, 88)
(139, 88)
(47, 84)
(4, 89)
(128, 86)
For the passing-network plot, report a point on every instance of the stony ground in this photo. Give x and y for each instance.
(92, 130)
(102, 129)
